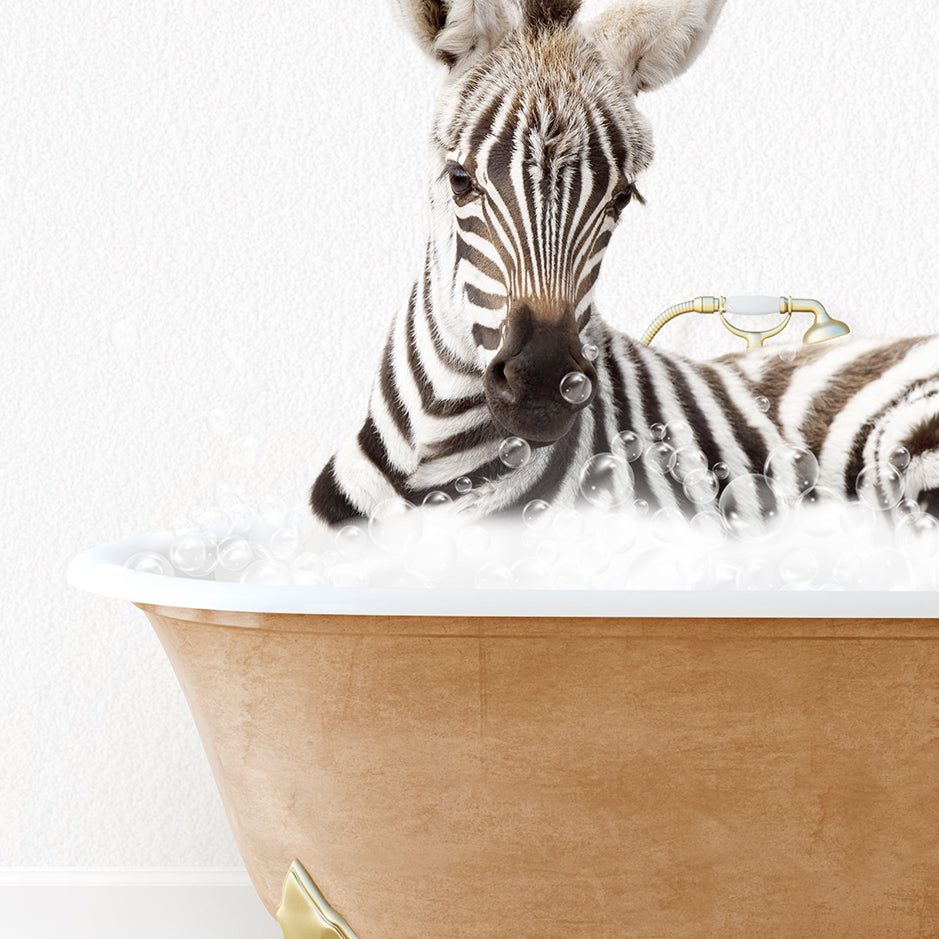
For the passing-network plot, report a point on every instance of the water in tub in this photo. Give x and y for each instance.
(803, 538)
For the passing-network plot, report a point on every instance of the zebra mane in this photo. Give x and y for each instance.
(551, 12)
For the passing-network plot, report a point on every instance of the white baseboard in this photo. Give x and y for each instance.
(143, 902)
(124, 876)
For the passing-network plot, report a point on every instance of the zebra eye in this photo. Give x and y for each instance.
(460, 181)
(623, 198)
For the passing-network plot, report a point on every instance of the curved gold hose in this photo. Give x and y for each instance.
(698, 305)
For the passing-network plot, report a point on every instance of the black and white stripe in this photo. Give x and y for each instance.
(852, 405)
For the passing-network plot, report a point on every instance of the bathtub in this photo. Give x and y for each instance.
(538, 764)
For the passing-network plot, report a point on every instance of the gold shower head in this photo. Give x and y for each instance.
(824, 326)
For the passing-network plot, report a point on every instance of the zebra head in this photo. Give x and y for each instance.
(538, 143)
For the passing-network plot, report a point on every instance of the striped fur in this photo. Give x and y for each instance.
(545, 126)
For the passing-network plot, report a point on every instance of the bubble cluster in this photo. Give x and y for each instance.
(776, 530)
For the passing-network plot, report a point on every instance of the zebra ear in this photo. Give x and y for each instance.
(653, 41)
(452, 30)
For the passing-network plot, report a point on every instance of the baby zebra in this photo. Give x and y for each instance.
(537, 144)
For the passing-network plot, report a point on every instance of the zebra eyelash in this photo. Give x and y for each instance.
(630, 192)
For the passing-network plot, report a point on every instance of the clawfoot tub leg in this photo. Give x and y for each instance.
(304, 913)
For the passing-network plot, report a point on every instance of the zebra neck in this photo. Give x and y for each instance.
(428, 418)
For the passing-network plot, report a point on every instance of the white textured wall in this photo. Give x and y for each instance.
(207, 213)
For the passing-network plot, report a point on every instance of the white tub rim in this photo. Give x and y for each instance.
(101, 570)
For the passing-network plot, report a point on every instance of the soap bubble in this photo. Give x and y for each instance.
(530, 573)
(535, 513)
(548, 551)
(875, 569)
(900, 458)
(567, 524)
(406, 580)
(628, 445)
(150, 562)
(857, 520)
(606, 481)
(659, 458)
(752, 507)
(788, 353)
(494, 576)
(235, 554)
(655, 569)
(918, 534)
(700, 487)
(591, 351)
(308, 570)
(640, 507)
(191, 553)
(708, 528)
(273, 510)
(820, 512)
(880, 487)
(657, 431)
(666, 523)
(679, 434)
(265, 571)
(214, 522)
(463, 485)
(473, 542)
(394, 525)
(721, 470)
(434, 554)
(687, 460)
(618, 531)
(758, 574)
(350, 541)
(514, 452)
(799, 566)
(790, 467)
(349, 576)
(762, 403)
(437, 498)
(576, 387)
(908, 508)
(593, 557)
(242, 517)
(285, 543)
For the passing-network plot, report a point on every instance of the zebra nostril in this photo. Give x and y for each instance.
(499, 383)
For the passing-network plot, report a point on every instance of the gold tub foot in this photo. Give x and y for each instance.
(304, 913)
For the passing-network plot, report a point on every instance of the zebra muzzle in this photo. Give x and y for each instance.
(523, 381)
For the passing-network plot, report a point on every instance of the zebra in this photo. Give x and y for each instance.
(537, 145)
